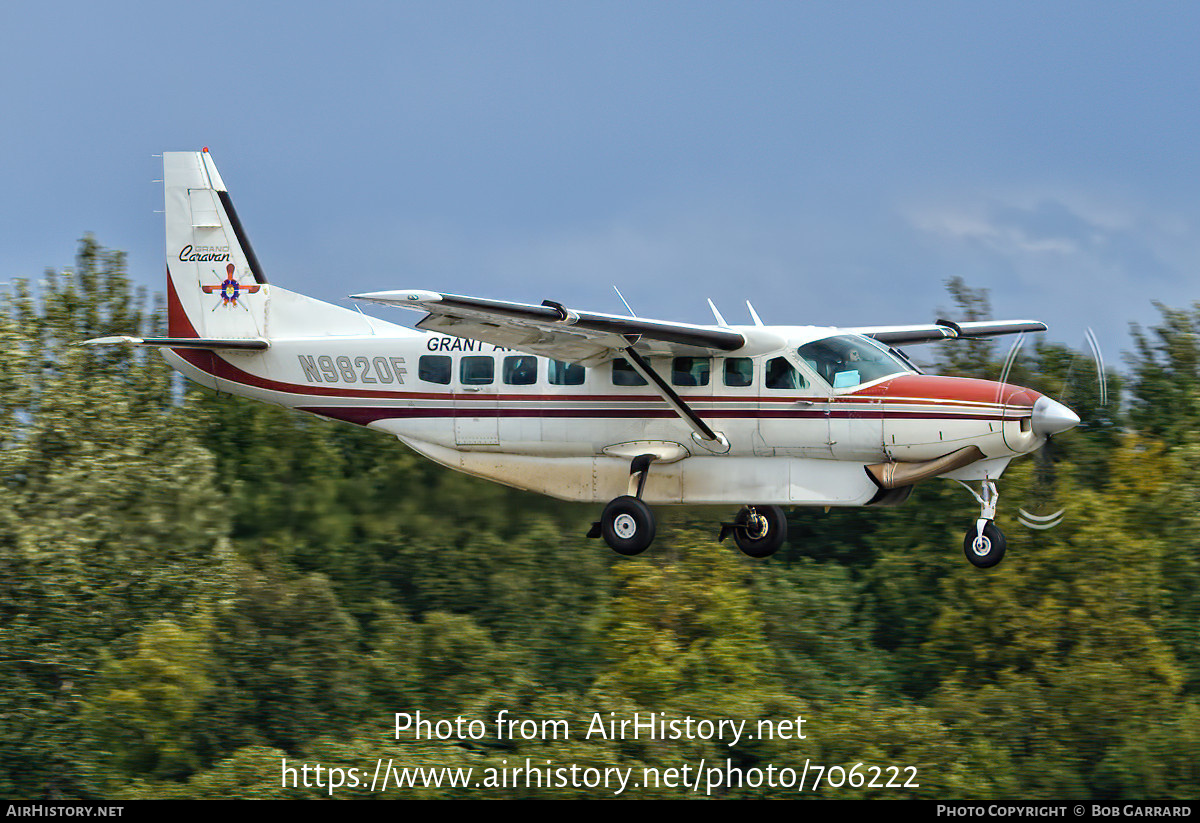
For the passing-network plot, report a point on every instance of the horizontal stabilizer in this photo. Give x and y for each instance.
(206, 343)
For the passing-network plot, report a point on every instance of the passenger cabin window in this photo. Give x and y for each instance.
(520, 370)
(847, 361)
(781, 374)
(434, 368)
(477, 371)
(690, 371)
(739, 371)
(565, 374)
(624, 375)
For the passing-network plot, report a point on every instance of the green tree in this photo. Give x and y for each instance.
(684, 623)
(109, 516)
(143, 707)
(290, 664)
(1058, 655)
(1166, 375)
(817, 625)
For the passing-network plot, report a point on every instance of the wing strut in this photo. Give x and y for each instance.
(701, 432)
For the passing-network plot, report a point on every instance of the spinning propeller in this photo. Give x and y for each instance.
(1072, 389)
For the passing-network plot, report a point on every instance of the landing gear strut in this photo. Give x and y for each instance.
(627, 524)
(758, 531)
(984, 544)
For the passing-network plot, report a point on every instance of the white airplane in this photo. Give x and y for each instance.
(597, 407)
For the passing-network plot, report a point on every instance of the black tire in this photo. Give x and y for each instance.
(627, 525)
(769, 535)
(990, 549)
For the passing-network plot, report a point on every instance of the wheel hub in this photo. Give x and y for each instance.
(757, 526)
(624, 526)
(981, 546)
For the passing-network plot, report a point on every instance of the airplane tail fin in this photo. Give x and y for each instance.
(216, 288)
(215, 284)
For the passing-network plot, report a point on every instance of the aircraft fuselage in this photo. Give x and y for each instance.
(570, 431)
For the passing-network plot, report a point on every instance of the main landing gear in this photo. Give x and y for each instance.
(627, 524)
(758, 531)
(984, 543)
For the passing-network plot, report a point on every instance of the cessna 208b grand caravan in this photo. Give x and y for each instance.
(596, 407)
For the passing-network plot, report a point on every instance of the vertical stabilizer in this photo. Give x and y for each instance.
(216, 288)
(215, 285)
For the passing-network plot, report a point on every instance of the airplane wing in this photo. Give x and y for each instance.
(555, 331)
(947, 330)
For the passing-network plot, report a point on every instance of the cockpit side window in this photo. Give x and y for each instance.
(847, 361)
(781, 374)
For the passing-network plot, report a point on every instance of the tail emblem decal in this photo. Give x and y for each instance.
(230, 289)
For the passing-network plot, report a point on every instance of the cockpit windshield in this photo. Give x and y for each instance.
(850, 360)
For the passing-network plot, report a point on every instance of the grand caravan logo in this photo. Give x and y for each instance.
(204, 254)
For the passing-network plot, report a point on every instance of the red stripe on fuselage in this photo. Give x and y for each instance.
(881, 400)
(363, 415)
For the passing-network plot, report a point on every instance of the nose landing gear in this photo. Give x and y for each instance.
(984, 544)
(984, 547)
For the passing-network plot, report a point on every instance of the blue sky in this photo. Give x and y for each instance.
(833, 162)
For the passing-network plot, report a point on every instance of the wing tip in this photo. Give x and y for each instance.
(118, 340)
(399, 297)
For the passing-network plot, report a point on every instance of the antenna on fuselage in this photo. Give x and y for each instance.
(753, 314)
(632, 313)
(716, 314)
(366, 317)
